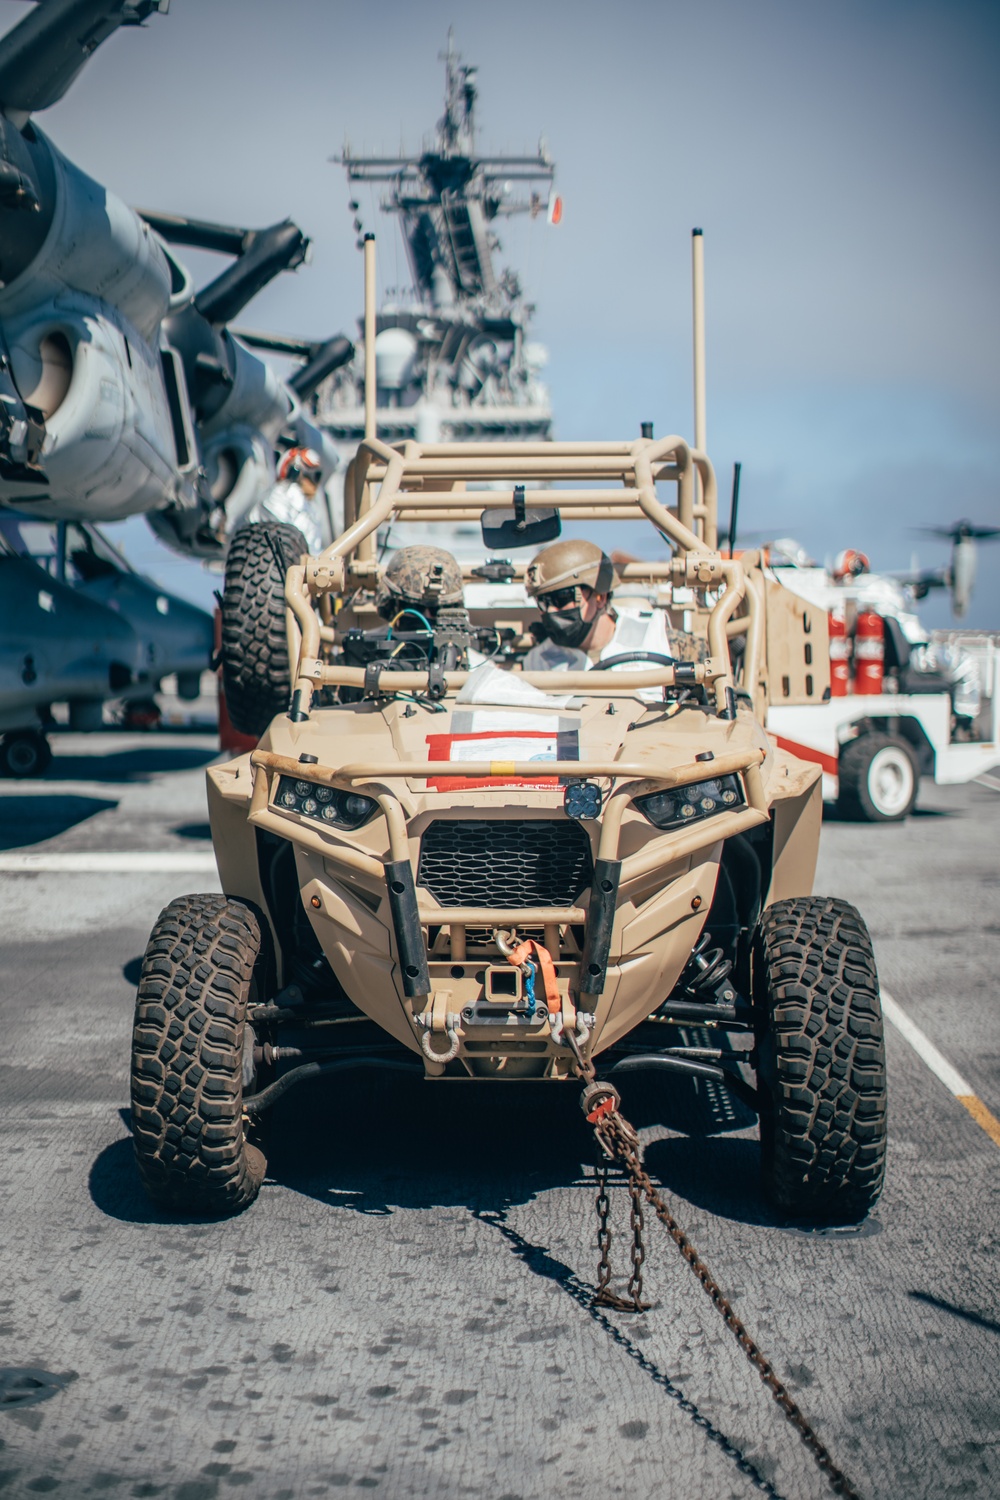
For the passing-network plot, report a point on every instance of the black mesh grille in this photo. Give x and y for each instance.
(537, 863)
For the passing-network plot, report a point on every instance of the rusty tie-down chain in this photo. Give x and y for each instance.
(605, 1297)
(619, 1142)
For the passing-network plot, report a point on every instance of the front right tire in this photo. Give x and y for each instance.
(820, 1060)
(191, 1045)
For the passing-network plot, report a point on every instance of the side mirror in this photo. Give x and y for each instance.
(519, 527)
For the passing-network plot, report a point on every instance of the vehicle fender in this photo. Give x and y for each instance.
(797, 819)
(906, 727)
(657, 923)
(233, 837)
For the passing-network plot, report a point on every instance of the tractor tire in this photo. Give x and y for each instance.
(24, 753)
(188, 1058)
(255, 676)
(878, 779)
(820, 1060)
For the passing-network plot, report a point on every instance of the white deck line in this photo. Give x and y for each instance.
(107, 862)
(925, 1049)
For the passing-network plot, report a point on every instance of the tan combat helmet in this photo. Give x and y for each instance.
(569, 564)
(422, 576)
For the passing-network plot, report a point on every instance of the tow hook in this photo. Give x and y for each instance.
(452, 1022)
(533, 959)
(581, 1033)
(506, 943)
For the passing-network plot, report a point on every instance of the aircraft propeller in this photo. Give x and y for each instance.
(960, 577)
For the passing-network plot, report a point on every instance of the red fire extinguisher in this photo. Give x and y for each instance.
(839, 667)
(869, 652)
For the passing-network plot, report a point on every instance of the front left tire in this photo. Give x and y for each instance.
(820, 1059)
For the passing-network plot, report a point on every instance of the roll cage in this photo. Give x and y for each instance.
(429, 483)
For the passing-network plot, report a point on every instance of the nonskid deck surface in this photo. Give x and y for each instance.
(406, 1307)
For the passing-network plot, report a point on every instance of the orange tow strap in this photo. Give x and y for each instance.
(543, 958)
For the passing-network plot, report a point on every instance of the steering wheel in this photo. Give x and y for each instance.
(627, 657)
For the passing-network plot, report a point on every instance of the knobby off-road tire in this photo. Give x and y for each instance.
(820, 1060)
(187, 1058)
(878, 779)
(255, 675)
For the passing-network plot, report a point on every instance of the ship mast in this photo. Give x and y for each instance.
(447, 196)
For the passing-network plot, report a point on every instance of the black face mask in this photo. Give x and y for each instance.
(564, 627)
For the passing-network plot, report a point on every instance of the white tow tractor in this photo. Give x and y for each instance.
(903, 703)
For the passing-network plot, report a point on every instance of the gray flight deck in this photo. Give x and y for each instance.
(406, 1307)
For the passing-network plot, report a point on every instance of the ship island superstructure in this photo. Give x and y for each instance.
(453, 358)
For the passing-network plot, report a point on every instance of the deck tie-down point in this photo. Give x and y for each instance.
(532, 958)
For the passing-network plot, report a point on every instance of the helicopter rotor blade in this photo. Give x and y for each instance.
(961, 531)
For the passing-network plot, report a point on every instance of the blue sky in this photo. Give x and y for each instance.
(841, 158)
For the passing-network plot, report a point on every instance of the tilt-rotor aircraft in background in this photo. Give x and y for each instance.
(122, 390)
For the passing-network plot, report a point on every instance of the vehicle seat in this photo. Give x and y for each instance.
(898, 652)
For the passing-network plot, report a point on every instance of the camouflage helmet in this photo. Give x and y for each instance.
(567, 564)
(422, 576)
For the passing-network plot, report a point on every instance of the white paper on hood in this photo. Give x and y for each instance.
(488, 684)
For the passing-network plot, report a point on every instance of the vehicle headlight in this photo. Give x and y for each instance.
(689, 804)
(323, 804)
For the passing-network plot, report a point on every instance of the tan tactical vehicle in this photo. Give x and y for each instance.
(482, 873)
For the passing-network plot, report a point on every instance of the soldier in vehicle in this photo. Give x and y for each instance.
(572, 582)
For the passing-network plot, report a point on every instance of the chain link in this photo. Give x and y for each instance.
(619, 1142)
(603, 1238)
(638, 1247)
(604, 1296)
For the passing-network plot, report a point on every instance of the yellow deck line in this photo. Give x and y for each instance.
(941, 1067)
(982, 1116)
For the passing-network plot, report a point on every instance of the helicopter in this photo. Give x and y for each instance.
(123, 389)
(55, 645)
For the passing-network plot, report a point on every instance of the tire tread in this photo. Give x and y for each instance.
(821, 1059)
(255, 676)
(187, 1058)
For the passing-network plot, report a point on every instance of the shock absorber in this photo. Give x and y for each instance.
(706, 976)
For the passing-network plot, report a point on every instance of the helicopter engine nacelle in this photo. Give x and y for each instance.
(256, 398)
(239, 408)
(239, 460)
(240, 468)
(80, 314)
